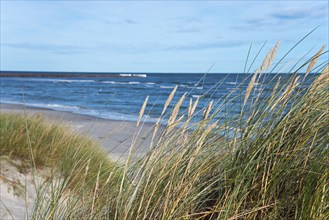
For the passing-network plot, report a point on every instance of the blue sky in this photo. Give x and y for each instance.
(154, 36)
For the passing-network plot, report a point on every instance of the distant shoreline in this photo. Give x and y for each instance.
(66, 74)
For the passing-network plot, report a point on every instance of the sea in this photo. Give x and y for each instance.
(121, 97)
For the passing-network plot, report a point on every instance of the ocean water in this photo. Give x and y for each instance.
(120, 98)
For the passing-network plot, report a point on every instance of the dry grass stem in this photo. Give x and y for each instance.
(199, 144)
(250, 86)
(193, 107)
(274, 51)
(286, 94)
(207, 110)
(314, 60)
(265, 61)
(176, 110)
(189, 108)
(323, 78)
(170, 97)
(141, 113)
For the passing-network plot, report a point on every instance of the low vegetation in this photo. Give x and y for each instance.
(269, 163)
(40, 144)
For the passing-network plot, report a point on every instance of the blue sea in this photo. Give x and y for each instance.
(120, 98)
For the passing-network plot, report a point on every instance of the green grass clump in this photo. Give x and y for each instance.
(30, 138)
(77, 165)
(43, 143)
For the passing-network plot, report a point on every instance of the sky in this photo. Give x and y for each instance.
(156, 36)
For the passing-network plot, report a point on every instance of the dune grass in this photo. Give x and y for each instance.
(269, 163)
(39, 144)
(274, 165)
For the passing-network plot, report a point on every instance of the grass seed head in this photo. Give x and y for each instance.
(141, 113)
(250, 86)
(170, 97)
(314, 60)
(274, 51)
(176, 110)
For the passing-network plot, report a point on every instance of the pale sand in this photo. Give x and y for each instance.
(17, 190)
(115, 137)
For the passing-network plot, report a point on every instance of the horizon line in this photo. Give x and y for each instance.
(123, 72)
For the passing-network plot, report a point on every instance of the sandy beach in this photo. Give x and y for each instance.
(115, 137)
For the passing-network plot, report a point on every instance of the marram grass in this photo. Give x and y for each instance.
(39, 144)
(270, 163)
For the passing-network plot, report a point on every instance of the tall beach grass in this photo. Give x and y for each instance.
(270, 162)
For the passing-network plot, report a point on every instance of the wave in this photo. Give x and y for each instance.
(117, 116)
(58, 80)
(150, 83)
(231, 83)
(71, 80)
(194, 87)
(188, 85)
(110, 82)
(132, 75)
(10, 102)
(120, 83)
(125, 75)
(167, 87)
(140, 75)
(53, 106)
(88, 112)
(57, 106)
(84, 111)
(48, 106)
